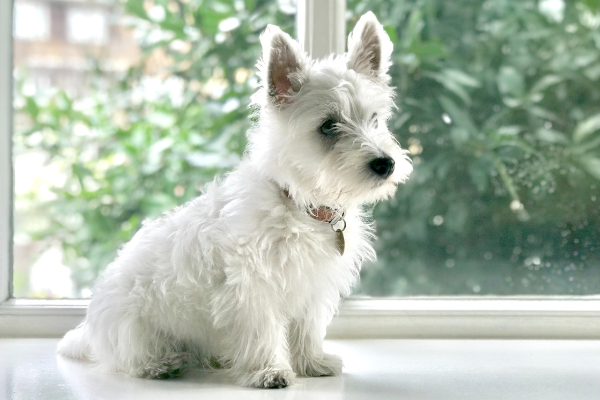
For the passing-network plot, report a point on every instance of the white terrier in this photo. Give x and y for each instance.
(249, 275)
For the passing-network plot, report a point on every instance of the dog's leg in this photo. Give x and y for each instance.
(260, 357)
(168, 366)
(254, 341)
(138, 350)
(306, 348)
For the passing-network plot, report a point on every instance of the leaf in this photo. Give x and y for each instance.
(591, 165)
(175, 25)
(400, 120)
(451, 85)
(211, 160)
(160, 146)
(461, 78)
(427, 51)
(586, 146)
(512, 102)
(458, 115)
(391, 31)
(593, 72)
(551, 136)
(593, 5)
(506, 141)
(542, 113)
(136, 8)
(509, 130)
(586, 128)
(545, 82)
(208, 20)
(31, 107)
(62, 101)
(414, 27)
(156, 204)
(511, 82)
(479, 175)
(162, 119)
(459, 135)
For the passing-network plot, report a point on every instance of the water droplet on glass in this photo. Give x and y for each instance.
(516, 205)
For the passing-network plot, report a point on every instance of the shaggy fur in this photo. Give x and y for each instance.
(243, 277)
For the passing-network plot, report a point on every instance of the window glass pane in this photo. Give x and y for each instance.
(498, 105)
(123, 110)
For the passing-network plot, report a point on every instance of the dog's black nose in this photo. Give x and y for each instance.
(383, 166)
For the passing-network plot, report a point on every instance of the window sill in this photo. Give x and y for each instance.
(373, 369)
(361, 318)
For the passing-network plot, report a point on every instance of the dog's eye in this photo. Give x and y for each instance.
(328, 128)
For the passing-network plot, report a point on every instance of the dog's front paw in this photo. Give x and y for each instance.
(323, 365)
(167, 367)
(270, 378)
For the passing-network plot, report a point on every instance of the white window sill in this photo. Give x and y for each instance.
(381, 369)
(361, 318)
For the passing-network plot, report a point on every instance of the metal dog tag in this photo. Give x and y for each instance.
(340, 243)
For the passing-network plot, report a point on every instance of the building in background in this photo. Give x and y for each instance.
(59, 43)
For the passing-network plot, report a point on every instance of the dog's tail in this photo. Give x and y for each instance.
(75, 344)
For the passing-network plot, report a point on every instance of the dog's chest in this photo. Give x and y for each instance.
(299, 257)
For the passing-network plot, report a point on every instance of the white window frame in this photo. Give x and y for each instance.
(550, 317)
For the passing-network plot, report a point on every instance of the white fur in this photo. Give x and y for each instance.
(242, 276)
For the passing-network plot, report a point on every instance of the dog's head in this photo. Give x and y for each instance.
(322, 129)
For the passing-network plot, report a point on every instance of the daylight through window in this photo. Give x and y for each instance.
(125, 109)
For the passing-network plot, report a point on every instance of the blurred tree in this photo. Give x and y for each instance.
(157, 135)
(498, 103)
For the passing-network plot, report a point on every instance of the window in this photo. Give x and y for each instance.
(498, 107)
(32, 21)
(85, 25)
(115, 124)
(496, 104)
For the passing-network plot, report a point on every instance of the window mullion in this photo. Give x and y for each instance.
(321, 26)
(6, 167)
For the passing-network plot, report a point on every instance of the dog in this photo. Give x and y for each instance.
(248, 275)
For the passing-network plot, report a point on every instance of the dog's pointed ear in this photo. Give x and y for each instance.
(369, 48)
(282, 67)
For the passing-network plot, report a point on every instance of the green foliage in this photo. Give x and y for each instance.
(502, 99)
(147, 144)
(498, 102)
